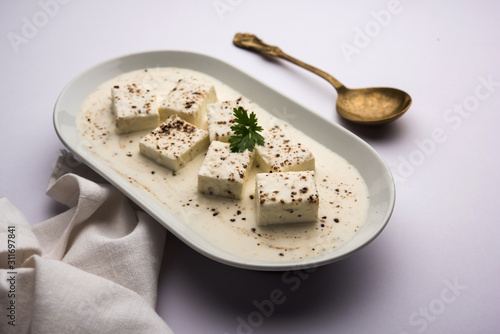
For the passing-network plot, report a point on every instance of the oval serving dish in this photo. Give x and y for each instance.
(370, 165)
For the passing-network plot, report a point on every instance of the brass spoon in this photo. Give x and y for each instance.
(367, 106)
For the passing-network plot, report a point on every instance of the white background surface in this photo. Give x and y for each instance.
(434, 269)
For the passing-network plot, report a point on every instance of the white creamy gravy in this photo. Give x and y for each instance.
(226, 223)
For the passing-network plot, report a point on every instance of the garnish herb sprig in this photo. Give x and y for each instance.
(246, 131)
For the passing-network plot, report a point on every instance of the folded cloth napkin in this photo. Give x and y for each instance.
(91, 269)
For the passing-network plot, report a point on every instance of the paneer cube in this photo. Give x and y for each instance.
(174, 143)
(221, 117)
(289, 197)
(282, 152)
(188, 100)
(134, 107)
(223, 173)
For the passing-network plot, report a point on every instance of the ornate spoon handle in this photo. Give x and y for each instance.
(253, 43)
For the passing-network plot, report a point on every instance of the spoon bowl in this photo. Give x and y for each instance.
(372, 106)
(367, 106)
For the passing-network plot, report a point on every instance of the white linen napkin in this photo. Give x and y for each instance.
(91, 269)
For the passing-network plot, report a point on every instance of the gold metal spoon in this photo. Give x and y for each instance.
(367, 106)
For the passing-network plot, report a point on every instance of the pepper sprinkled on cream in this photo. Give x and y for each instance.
(211, 217)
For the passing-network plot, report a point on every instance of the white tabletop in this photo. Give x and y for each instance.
(434, 269)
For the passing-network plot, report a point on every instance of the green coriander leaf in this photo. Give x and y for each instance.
(246, 131)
